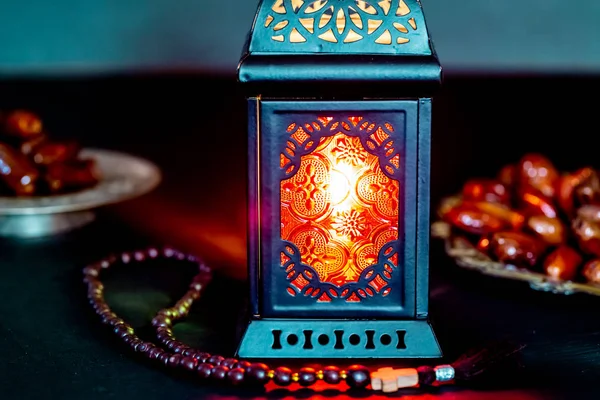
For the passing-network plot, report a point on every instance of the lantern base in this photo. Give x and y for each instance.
(304, 338)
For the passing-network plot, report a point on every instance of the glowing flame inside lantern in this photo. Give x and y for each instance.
(339, 209)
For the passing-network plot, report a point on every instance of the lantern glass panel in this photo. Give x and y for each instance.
(339, 210)
(335, 231)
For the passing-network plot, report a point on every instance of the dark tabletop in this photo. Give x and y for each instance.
(193, 127)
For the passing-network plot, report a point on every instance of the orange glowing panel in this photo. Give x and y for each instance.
(339, 209)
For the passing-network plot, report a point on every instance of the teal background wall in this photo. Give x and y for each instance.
(99, 36)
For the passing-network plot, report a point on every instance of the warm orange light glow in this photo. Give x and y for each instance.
(339, 209)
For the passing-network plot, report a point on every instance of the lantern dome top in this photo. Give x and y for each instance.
(305, 41)
(340, 26)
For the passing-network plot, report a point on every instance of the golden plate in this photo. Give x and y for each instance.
(466, 255)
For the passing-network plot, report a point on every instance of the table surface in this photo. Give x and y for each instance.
(53, 346)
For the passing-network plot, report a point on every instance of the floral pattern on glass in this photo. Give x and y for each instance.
(339, 209)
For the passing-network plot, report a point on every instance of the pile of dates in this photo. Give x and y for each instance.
(532, 216)
(32, 164)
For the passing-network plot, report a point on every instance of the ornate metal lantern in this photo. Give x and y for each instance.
(339, 100)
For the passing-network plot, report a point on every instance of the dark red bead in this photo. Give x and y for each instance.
(115, 321)
(358, 377)
(229, 362)
(155, 353)
(236, 376)
(142, 347)
(202, 357)
(307, 376)
(180, 349)
(125, 258)
(331, 375)
(161, 321)
(204, 370)
(242, 364)
(127, 338)
(135, 343)
(107, 317)
(219, 373)
(165, 331)
(149, 347)
(101, 308)
(188, 352)
(164, 337)
(188, 363)
(94, 298)
(216, 360)
(257, 373)
(173, 344)
(174, 360)
(168, 252)
(121, 330)
(282, 376)
(162, 329)
(152, 252)
(164, 358)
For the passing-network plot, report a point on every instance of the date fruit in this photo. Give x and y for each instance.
(579, 188)
(16, 171)
(485, 190)
(473, 220)
(31, 163)
(512, 218)
(533, 203)
(537, 172)
(516, 248)
(562, 263)
(586, 227)
(53, 152)
(550, 230)
(508, 176)
(591, 271)
(80, 173)
(23, 124)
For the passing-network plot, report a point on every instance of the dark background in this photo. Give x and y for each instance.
(193, 126)
(91, 37)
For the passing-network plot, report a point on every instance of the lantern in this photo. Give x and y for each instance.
(339, 108)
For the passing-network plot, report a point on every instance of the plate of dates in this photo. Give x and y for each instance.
(531, 222)
(49, 187)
